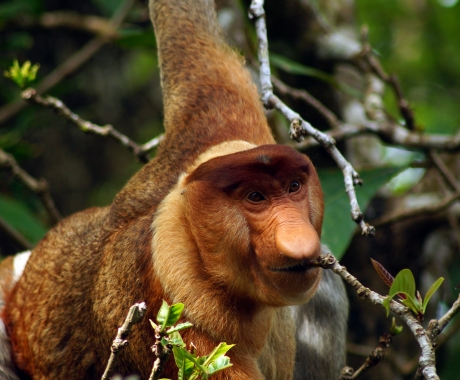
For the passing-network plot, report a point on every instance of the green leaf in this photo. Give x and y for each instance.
(219, 364)
(174, 314)
(179, 327)
(21, 75)
(338, 228)
(395, 329)
(404, 283)
(163, 314)
(183, 362)
(412, 303)
(431, 291)
(21, 219)
(175, 339)
(154, 325)
(219, 351)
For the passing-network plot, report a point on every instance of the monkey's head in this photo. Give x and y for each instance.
(255, 217)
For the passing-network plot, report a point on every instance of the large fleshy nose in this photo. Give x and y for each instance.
(296, 238)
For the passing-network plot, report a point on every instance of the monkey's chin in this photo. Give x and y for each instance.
(295, 284)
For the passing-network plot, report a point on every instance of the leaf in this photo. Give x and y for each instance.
(431, 291)
(338, 228)
(169, 315)
(219, 364)
(175, 339)
(395, 329)
(219, 351)
(183, 362)
(175, 312)
(412, 303)
(20, 218)
(21, 75)
(163, 314)
(179, 327)
(404, 282)
(382, 272)
(154, 325)
(183, 356)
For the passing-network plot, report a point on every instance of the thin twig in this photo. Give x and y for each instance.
(86, 126)
(135, 315)
(390, 133)
(75, 61)
(427, 360)
(39, 187)
(152, 144)
(399, 216)
(68, 19)
(435, 327)
(284, 89)
(444, 170)
(15, 235)
(374, 65)
(161, 352)
(372, 360)
(300, 127)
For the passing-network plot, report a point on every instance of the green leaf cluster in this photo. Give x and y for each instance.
(22, 75)
(194, 367)
(190, 366)
(404, 286)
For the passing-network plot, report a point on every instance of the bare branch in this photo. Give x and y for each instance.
(427, 360)
(444, 170)
(399, 216)
(75, 61)
(161, 352)
(300, 127)
(15, 235)
(152, 144)
(372, 360)
(89, 23)
(39, 187)
(435, 327)
(86, 126)
(135, 315)
(284, 89)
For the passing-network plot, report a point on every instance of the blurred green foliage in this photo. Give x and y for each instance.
(419, 40)
(338, 229)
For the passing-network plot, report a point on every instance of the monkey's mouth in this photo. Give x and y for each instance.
(300, 267)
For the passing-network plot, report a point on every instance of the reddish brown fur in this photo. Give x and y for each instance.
(85, 274)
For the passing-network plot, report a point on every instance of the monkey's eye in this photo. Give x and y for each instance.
(255, 196)
(294, 186)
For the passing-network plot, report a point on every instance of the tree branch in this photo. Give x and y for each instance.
(89, 23)
(300, 127)
(427, 358)
(39, 187)
(86, 126)
(399, 216)
(71, 64)
(15, 235)
(135, 315)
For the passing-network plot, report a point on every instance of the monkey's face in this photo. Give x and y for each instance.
(256, 219)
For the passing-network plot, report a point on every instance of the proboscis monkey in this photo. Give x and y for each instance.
(223, 220)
